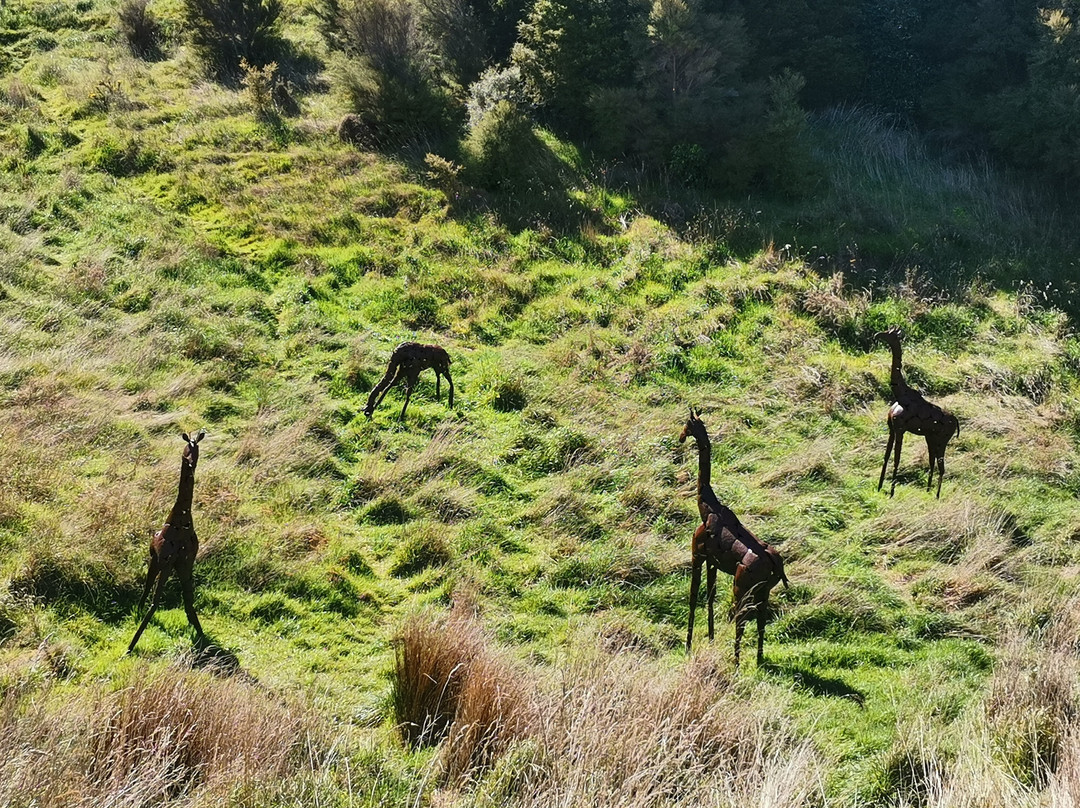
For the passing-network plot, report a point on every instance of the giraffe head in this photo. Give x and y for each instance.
(892, 336)
(693, 426)
(191, 451)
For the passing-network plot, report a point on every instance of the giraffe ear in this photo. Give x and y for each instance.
(201, 435)
(184, 435)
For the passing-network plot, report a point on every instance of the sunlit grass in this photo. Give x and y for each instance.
(169, 263)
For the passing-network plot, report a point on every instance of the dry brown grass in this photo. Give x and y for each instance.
(450, 684)
(1021, 745)
(167, 735)
(493, 712)
(623, 731)
(431, 661)
(1033, 705)
(943, 530)
(603, 730)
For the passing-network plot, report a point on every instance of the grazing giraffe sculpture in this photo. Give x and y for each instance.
(174, 547)
(406, 362)
(910, 412)
(721, 541)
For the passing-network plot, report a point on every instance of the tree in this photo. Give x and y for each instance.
(225, 31)
(568, 49)
(1040, 121)
(691, 81)
(387, 69)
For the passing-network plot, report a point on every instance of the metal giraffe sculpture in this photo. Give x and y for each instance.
(721, 541)
(406, 362)
(174, 547)
(912, 413)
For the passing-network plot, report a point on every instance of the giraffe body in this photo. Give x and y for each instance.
(722, 542)
(406, 362)
(910, 412)
(174, 547)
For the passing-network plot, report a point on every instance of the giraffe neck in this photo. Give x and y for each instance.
(896, 377)
(181, 512)
(704, 488)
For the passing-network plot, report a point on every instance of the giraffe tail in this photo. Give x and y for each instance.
(778, 566)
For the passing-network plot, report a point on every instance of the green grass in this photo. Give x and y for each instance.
(168, 262)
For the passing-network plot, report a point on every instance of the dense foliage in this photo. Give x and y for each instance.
(628, 78)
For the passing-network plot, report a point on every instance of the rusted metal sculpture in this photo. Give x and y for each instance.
(174, 547)
(406, 362)
(910, 412)
(722, 542)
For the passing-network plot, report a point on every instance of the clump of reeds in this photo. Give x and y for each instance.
(168, 734)
(604, 730)
(449, 684)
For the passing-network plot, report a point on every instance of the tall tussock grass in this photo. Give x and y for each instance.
(1019, 746)
(168, 734)
(600, 730)
(448, 684)
(617, 730)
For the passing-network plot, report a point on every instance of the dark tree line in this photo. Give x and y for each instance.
(713, 91)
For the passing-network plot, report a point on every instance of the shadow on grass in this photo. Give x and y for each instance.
(208, 655)
(810, 682)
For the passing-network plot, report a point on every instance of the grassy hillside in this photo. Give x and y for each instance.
(171, 261)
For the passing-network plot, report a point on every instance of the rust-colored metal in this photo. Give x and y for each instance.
(910, 412)
(406, 362)
(722, 542)
(174, 547)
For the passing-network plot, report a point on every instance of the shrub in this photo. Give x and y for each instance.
(225, 31)
(444, 175)
(140, 29)
(502, 152)
(493, 86)
(259, 87)
(688, 162)
(386, 73)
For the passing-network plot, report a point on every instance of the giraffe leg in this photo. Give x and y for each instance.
(409, 382)
(740, 625)
(438, 380)
(151, 574)
(386, 389)
(695, 582)
(885, 464)
(896, 460)
(930, 477)
(941, 472)
(450, 384)
(153, 607)
(375, 397)
(187, 587)
(710, 576)
(738, 606)
(762, 614)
